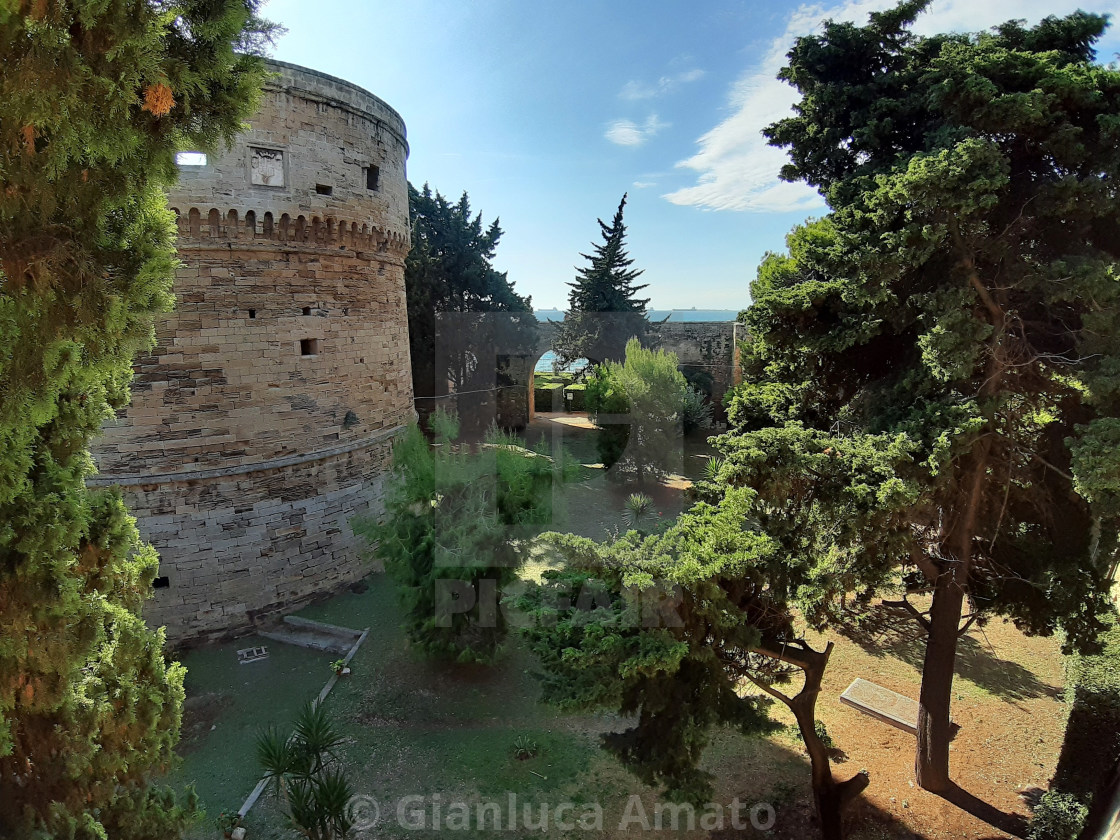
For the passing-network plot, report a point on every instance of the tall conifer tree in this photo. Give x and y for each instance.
(604, 310)
(95, 99)
(450, 279)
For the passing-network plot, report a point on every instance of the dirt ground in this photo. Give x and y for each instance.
(1006, 700)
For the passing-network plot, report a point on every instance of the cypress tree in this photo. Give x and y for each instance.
(95, 100)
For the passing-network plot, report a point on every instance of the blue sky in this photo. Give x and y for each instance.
(547, 112)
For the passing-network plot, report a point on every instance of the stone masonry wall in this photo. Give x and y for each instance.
(703, 348)
(262, 422)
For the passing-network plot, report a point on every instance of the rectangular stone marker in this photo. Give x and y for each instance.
(246, 655)
(882, 703)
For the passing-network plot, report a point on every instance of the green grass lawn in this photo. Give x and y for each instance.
(446, 733)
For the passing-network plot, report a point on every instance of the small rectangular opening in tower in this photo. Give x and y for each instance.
(373, 177)
(324, 189)
(309, 347)
(161, 582)
(252, 313)
(307, 310)
(190, 159)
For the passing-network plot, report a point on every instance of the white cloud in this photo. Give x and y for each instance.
(630, 133)
(737, 170)
(636, 91)
(644, 185)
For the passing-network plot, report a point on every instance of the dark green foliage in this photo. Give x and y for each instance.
(1057, 816)
(638, 511)
(603, 312)
(304, 772)
(662, 627)
(639, 404)
(455, 522)
(95, 99)
(448, 273)
(575, 397)
(934, 368)
(696, 410)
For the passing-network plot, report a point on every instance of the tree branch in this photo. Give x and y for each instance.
(910, 608)
(971, 620)
(925, 564)
(773, 692)
(998, 316)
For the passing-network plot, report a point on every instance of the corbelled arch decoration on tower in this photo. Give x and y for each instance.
(263, 421)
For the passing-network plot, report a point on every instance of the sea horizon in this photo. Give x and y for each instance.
(692, 314)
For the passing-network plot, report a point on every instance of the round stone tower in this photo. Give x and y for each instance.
(262, 423)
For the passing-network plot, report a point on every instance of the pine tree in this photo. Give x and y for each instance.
(603, 311)
(665, 630)
(937, 359)
(95, 99)
(449, 278)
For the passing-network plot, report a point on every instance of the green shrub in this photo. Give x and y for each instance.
(696, 410)
(1058, 816)
(575, 397)
(639, 508)
(456, 519)
(305, 774)
(648, 390)
(544, 394)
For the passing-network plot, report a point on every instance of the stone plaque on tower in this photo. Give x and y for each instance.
(266, 167)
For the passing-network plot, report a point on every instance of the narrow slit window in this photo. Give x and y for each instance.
(307, 310)
(324, 189)
(309, 347)
(252, 313)
(373, 178)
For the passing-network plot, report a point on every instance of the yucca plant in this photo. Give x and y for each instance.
(524, 747)
(303, 772)
(712, 468)
(696, 410)
(639, 508)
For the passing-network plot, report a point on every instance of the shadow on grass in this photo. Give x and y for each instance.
(887, 632)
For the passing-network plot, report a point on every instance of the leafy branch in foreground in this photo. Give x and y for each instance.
(96, 99)
(932, 369)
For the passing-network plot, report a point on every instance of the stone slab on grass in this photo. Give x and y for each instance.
(883, 704)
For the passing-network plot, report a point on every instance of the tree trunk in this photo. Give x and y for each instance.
(831, 798)
(931, 766)
(1103, 819)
